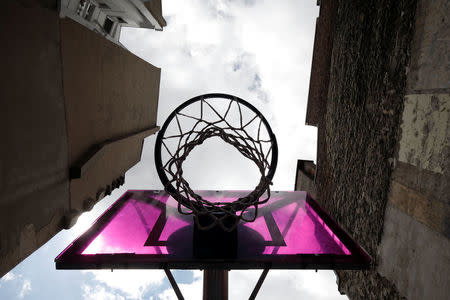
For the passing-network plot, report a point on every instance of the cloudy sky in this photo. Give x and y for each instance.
(258, 50)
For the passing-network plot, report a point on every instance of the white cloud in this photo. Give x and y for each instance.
(257, 50)
(26, 288)
(260, 51)
(285, 284)
(8, 276)
(133, 283)
(99, 293)
(190, 291)
(24, 284)
(302, 284)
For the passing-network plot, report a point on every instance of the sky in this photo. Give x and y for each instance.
(258, 50)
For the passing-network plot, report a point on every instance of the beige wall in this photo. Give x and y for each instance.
(110, 94)
(429, 67)
(34, 186)
(155, 7)
(71, 100)
(100, 174)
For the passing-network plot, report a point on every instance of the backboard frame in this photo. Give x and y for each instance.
(72, 257)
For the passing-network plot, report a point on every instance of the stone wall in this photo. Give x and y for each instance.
(383, 145)
(414, 252)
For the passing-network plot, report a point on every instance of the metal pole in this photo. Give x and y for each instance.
(215, 284)
(174, 284)
(259, 284)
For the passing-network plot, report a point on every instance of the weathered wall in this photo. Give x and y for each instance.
(33, 152)
(421, 180)
(429, 69)
(384, 147)
(358, 135)
(414, 252)
(424, 132)
(414, 257)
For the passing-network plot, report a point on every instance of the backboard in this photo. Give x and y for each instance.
(143, 229)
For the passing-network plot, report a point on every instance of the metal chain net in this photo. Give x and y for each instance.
(237, 136)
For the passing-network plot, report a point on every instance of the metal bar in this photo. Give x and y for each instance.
(259, 284)
(215, 284)
(174, 284)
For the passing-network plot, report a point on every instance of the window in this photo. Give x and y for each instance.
(108, 25)
(81, 7)
(103, 5)
(85, 9)
(90, 12)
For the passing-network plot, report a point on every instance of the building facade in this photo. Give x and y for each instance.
(379, 95)
(305, 177)
(107, 17)
(76, 108)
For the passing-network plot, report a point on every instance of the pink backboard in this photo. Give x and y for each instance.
(143, 229)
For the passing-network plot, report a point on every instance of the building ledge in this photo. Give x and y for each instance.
(96, 152)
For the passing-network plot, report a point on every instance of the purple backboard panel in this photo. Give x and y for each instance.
(143, 229)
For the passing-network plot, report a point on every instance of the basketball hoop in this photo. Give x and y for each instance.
(257, 145)
(154, 229)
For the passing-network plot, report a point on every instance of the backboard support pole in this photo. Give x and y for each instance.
(215, 284)
(174, 284)
(259, 284)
